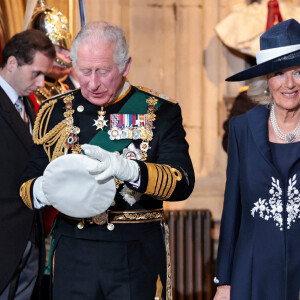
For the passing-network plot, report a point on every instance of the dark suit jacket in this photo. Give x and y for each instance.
(16, 220)
(259, 242)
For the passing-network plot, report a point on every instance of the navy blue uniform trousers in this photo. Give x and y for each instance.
(94, 263)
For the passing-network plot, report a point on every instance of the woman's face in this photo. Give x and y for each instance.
(284, 86)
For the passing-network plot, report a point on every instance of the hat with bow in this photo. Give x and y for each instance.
(279, 49)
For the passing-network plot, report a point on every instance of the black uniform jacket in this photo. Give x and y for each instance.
(16, 221)
(168, 148)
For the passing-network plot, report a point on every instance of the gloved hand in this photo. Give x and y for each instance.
(109, 164)
(38, 191)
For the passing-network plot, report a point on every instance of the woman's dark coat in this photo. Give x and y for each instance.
(259, 247)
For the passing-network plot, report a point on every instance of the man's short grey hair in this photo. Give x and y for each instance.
(98, 31)
(259, 91)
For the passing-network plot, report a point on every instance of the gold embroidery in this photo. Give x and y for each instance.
(25, 193)
(123, 217)
(156, 94)
(59, 134)
(159, 289)
(140, 216)
(162, 180)
(169, 267)
(147, 133)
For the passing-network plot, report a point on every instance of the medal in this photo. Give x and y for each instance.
(100, 123)
(114, 133)
(131, 152)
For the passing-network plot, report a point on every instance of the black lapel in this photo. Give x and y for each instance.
(14, 120)
(29, 107)
(258, 123)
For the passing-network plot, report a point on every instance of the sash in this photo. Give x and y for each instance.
(137, 104)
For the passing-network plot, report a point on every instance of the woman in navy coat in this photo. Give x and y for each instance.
(259, 246)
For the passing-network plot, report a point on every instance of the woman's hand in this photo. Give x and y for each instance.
(223, 293)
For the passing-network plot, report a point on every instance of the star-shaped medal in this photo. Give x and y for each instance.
(100, 123)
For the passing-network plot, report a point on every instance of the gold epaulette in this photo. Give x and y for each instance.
(58, 135)
(25, 193)
(157, 94)
(162, 180)
(62, 95)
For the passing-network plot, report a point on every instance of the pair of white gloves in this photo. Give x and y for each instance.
(103, 166)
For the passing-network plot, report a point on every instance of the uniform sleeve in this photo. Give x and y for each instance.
(38, 157)
(168, 174)
(231, 215)
(35, 168)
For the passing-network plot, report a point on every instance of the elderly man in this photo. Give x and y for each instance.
(110, 241)
(26, 58)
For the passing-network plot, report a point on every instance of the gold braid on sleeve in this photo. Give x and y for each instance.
(162, 180)
(58, 134)
(25, 193)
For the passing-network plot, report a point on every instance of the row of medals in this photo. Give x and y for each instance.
(115, 133)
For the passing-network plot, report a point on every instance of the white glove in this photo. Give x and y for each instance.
(39, 193)
(109, 164)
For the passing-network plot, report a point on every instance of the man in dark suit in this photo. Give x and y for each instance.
(26, 58)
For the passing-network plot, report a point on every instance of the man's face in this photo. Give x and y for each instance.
(26, 79)
(98, 74)
(58, 70)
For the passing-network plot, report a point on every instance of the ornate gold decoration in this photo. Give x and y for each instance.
(25, 193)
(169, 266)
(159, 289)
(55, 25)
(162, 180)
(136, 216)
(59, 134)
(76, 149)
(100, 123)
(109, 216)
(147, 135)
(63, 63)
(50, 90)
(100, 219)
(156, 94)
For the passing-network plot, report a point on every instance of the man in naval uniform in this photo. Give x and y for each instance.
(107, 156)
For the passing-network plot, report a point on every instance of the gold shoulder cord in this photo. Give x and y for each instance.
(57, 135)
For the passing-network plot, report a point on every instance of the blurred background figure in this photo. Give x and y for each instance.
(56, 26)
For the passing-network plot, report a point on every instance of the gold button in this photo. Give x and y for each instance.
(80, 108)
(80, 225)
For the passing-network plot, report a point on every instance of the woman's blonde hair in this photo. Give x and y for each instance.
(258, 90)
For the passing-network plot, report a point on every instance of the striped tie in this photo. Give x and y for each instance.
(21, 109)
(19, 106)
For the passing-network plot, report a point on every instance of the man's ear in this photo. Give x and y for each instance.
(127, 67)
(12, 63)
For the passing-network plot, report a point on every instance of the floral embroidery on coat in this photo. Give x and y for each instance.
(272, 209)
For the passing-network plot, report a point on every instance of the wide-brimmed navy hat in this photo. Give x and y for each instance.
(279, 49)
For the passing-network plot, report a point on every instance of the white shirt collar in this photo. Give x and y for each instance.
(9, 90)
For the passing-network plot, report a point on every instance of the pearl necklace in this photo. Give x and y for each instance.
(288, 138)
